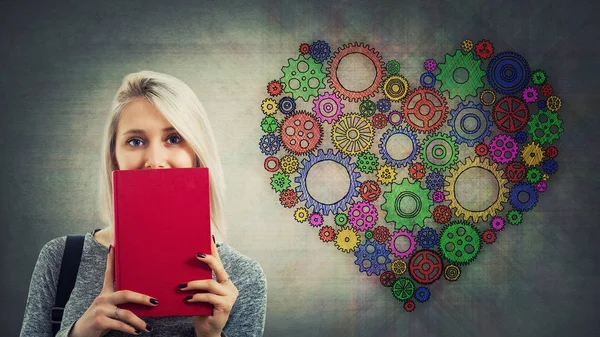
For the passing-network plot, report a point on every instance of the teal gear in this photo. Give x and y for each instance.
(367, 108)
(534, 175)
(460, 242)
(439, 151)
(542, 131)
(269, 124)
(367, 162)
(341, 219)
(457, 61)
(403, 288)
(303, 84)
(402, 217)
(280, 182)
(514, 217)
(392, 67)
(538, 77)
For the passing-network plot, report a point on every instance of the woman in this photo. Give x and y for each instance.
(156, 122)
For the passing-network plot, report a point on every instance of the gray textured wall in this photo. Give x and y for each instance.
(61, 62)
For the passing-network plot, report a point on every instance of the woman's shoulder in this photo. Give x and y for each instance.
(238, 263)
(54, 249)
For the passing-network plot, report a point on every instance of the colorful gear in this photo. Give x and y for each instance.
(379, 120)
(326, 234)
(503, 149)
(375, 254)
(534, 175)
(481, 149)
(301, 214)
(541, 186)
(514, 217)
(269, 124)
(515, 172)
(427, 80)
(366, 51)
(280, 182)
(425, 109)
(485, 93)
(545, 177)
(398, 267)
(538, 77)
(465, 62)
(484, 49)
(532, 197)
(269, 144)
(546, 90)
(438, 197)
(541, 104)
(387, 278)
(439, 151)
(427, 238)
(442, 214)
(395, 87)
(392, 67)
(508, 73)
(328, 108)
(476, 215)
(466, 45)
(530, 95)
(383, 147)
(384, 105)
(403, 289)
(352, 134)
(347, 239)
(497, 223)
(550, 166)
(409, 306)
(532, 154)
(434, 181)
(368, 235)
(521, 137)
(407, 218)
(386, 174)
(300, 133)
(274, 88)
(315, 219)
(362, 216)
(303, 83)
(464, 131)
(422, 294)
(460, 242)
(547, 131)
(288, 198)
(367, 108)
(395, 118)
(370, 190)
(511, 114)
(381, 234)
(269, 106)
(416, 171)
(268, 166)
(308, 163)
(304, 48)
(430, 65)
(289, 164)
(320, 51)
(341, 219)
(286, 105)
(451, 272)
(488, 236)
(551, 152)
(392, 243)
(425, 266)
(367, 162)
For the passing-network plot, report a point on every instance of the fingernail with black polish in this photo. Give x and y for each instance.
(153, 301)
(200, 255)
(188, 298)
(183, 285)
(109, 248)
(137, 331)
(149, 328)
(214, 239)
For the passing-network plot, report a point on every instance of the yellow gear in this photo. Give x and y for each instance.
(395, 87)
(352, 134)
(399, 267)
(545, 177)
(451, 272)
(482, 163)
(553, 103)
(269, 106)
(301, 214)
(386, 174)
(289, 164)
(532, 154)
(347, 239)
(487, 92)
(467, 45)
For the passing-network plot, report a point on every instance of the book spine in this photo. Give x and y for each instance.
(115, 235)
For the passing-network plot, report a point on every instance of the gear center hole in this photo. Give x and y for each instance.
(476, 189)
(461, 75)
(399, 146)
(356, 72)
(327, 182)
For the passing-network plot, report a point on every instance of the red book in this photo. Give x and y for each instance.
(162, 219)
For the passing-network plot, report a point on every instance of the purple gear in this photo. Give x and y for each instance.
(315, 219)
(438, 197)
(530, 95)
(497, 223)
(541, 186)
(430, 65)
(332, 107)
(395, 113)
(392, 240)
(377, 265)
(503, 149)
(362, 215)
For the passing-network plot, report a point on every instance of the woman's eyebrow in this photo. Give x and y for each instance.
(136, 131)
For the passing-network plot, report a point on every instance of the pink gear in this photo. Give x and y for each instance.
(503, 149)
(497, 223)
(430, 65)
(362, 215)
(530, 95)
(411, 248)
(328, 108)
(541, 186)
(438, 196)
(315, 219)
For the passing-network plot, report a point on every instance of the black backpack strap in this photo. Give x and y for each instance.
(66, 279)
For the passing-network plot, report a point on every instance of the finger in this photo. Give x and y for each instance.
(220, 302)
(214, 251)
(211, 286)
(109, 273)
(128, 317)
(214, 264)
(128, 296)
(113, 324)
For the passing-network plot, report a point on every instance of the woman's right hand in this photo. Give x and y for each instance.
(101, 317)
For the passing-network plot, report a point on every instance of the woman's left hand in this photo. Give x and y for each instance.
(221, 293)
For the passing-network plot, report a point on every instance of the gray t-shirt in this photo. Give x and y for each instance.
(247, 317)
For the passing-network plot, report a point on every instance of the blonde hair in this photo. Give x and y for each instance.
(182, 108)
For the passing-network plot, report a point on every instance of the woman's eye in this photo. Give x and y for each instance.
(133, 140)
(178, 139)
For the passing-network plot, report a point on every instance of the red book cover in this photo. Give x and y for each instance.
(162, 219)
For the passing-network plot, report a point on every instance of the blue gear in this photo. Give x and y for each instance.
(531, 200)
(435, 181)
(542, 105)
(384, 105)
(287, 105)
(431, 77)
(269, 144)
(474, 136)
(521, 137)
(427, 238)
(422, 294)
(353, 189)
(386, 156)
(377, 264)
(320, 51)
(508, 73)
(550, 166)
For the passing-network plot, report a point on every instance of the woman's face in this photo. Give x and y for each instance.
(146, 139)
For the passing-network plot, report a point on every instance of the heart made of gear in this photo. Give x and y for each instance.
(411, 175)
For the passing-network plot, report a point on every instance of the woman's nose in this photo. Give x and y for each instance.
(156, 156)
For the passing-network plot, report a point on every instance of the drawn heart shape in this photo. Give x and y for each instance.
(411, 174)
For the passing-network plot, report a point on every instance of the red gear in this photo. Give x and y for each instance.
(271, 159)
(370, 190)
(484, 49)
(387, 278)
(416, 171)
(505, 113)
(304, 48)
(379, 120)
(425, 266)
(435, 114)
(302, 140)
(515, 172)
(546, 89)
(481, 149)
(288, 198)
(381, 234)
(551, 152)
(488, 236)
(274, 88)
(442, 214)
(409, 306)
(327, 234)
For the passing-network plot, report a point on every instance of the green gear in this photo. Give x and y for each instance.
(369, 235)
(392, 67)
(542, 131)
(460, 242)
(514, 217)
(367, 162)
(341, 219)
(534, 175)
(280, 182)
(403, 288)
(538, 77)
(439, 151)
(457, 61)
(269, 124)
(304, 85)
(393, 204)
(367, 108)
